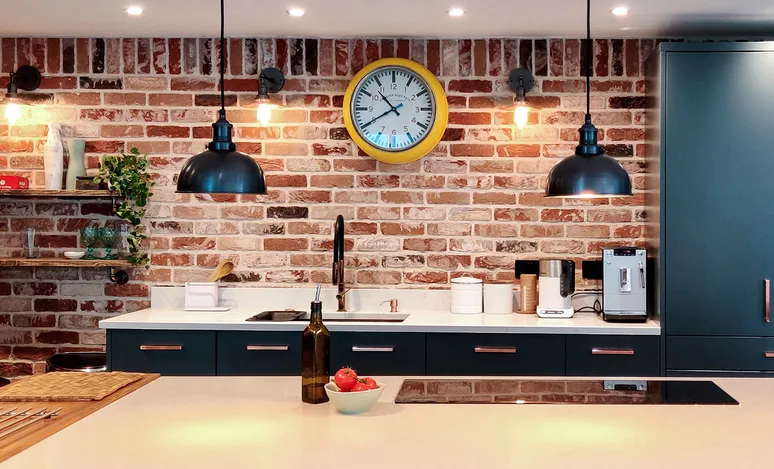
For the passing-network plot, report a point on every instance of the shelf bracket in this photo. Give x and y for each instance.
(118, 276)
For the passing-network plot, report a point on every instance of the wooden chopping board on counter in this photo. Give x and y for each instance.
(72, 411)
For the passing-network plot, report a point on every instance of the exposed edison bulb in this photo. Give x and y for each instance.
(264, 113)
(520, 115)
(12, 112)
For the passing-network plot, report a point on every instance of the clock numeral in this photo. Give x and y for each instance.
(375, 97)
(394, 86)
(405, 128)
(381, 130)
(394, 132)
(416, 109)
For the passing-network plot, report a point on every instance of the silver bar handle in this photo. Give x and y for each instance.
(767, 298)
(161, 347)
(494, 349)
(268, 348)
(357, 348)
(768, 354)
(612, 351)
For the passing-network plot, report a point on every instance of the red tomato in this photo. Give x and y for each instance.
(360, 387)
(370, 382)
(345, 379)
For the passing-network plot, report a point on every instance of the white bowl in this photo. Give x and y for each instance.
(74, 254)
(353, 402)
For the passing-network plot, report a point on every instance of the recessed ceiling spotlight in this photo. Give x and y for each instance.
(296, 12)
(620, 11)
(134, 11)
(455, 12)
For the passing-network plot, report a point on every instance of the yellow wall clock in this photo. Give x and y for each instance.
(395, 110)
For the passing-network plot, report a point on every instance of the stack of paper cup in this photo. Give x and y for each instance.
(467, 295)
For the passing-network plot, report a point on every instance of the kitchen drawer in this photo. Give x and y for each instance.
(259, 353)
(611, 355)
(379, 353)
(182, 353)
(719, 353)
(495, 354)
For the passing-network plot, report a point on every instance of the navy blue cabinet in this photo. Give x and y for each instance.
(712, 222)
(173, 353)
(495, 354)
(606, 355)
(255, 353)
(379, 353)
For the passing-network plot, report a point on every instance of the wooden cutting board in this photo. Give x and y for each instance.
(71, 412)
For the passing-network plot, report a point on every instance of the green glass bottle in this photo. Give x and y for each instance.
(315, 356)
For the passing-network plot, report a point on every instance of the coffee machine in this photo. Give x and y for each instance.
(556, 284)
(624, 280)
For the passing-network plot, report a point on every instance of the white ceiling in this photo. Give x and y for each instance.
(406, 18)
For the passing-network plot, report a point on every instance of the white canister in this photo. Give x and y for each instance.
(498, 298)
(467, 295)
(201, 295)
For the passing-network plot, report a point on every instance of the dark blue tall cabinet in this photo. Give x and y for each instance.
(711, 205)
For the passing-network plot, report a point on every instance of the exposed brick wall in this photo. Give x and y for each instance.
(473, 205)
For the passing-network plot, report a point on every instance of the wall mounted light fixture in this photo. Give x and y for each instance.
(26, 78)
(271, 80)
(521, 81)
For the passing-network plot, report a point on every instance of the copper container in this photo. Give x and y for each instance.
(529, 294)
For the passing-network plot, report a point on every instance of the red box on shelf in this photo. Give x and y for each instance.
(8, 182)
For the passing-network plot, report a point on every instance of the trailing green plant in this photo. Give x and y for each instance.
(127, 175)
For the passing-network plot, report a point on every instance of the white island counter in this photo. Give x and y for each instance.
(234, 423)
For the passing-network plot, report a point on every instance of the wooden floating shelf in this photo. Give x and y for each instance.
(61, 262)
(58, 193)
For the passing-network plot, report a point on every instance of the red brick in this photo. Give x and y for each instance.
(561, 215)
(470, 118)
(171, 259)
(332, 181)
(625, 134)
(193, 243)
(129, 289)
(562, 247)
(33, 353)
(448, 198)
(57, 337)
(564, 86)
(309, 196)
(628, 231)
(377, 277)
(402, 197)
(538, 199)
(470, 86)
(34, 289)
(496, 198)
(170, 99)
(518, 150)
(378, 181)
(287, 244)
(34, 320)
(402, 229)
(360, 228)
(283, 180)
(465, 149)
(78, 99)
(424, 244)
(588, 231)
(497, 230)
(426, 277)
(168, 131)
(14, 369)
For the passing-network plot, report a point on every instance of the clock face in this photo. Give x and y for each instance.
(393, 108)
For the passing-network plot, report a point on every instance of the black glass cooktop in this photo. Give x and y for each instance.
(516, 391)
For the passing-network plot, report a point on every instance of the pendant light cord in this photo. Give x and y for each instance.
(222, 62)
(588, 59)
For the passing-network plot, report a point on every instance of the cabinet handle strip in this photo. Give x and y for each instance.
(494, 349)
(161, 347)
(356, 348)
(268, 348)
(612, 351)
(768, 354)
(767, 307)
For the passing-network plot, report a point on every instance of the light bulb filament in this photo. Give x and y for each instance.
(264, 113)
(12, 113)
(521, 115)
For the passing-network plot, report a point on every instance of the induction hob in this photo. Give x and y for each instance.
(520, 391)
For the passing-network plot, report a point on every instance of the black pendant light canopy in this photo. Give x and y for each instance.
(221, 169)
(589, 172)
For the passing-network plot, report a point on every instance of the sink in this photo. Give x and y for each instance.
(291, 315)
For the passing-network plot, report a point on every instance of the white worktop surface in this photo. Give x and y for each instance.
(418, 321)
(234, 423)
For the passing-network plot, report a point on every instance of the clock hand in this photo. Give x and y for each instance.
(396, 109)
(377, 118)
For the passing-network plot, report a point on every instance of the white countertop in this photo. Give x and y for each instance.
(234, 423)
(418, 321)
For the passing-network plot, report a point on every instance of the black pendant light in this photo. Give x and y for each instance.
(589, 172)
(221, 169)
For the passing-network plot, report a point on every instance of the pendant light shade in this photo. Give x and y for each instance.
(221, 169)
(588, 173)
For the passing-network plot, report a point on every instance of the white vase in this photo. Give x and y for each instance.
(76, 147)
(53, 159)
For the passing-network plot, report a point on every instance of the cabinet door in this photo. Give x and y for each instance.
(495, 354)
(259, 353)
(719, 191)
(610, 355)
(379, 353)
(181, 353)
(719, 353)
